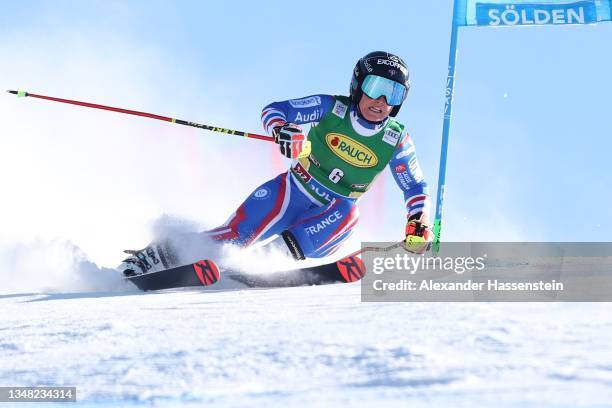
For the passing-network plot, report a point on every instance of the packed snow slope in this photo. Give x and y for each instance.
(305, 346)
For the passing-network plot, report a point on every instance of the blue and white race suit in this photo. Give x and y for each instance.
(320, 219)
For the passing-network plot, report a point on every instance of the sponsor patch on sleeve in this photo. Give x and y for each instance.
(405, 152)
(415, 170)
(339, 109)
(306, 102)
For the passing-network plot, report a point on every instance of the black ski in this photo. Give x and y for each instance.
(201, 273)
(206, 272)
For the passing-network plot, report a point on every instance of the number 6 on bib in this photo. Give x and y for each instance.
(335, 175)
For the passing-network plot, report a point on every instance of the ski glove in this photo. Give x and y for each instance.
(290, 138)
(418, 235)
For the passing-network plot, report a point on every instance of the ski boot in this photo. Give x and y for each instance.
(155, 257)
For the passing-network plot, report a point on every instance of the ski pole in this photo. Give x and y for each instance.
(377, 249)
(400, 244)
(305, 151)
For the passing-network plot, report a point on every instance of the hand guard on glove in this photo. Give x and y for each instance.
(290, 138)
(418, 234)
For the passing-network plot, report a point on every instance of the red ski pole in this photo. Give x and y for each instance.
(146, 115)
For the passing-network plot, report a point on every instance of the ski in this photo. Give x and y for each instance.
(201, 273)
(346, 270)
(206, 273)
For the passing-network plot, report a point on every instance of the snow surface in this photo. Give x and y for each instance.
(306, 346)
(67, 321)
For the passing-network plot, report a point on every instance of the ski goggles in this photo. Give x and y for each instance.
(376, 86)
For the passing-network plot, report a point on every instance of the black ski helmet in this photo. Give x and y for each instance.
(383, 64)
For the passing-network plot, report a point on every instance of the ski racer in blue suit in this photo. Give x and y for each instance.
(312, 208)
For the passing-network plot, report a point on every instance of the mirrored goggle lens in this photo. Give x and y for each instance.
(375, 86)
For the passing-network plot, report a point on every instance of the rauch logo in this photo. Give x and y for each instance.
(351, 151)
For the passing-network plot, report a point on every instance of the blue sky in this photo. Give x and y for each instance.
(529, 149)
